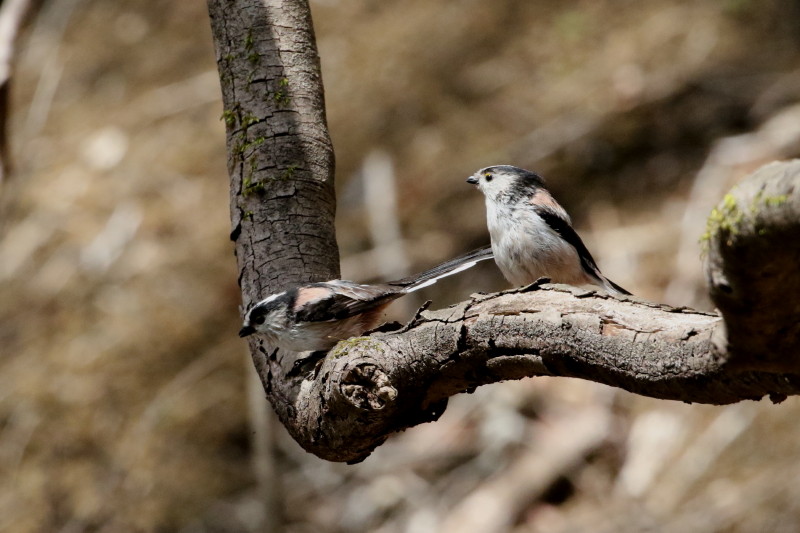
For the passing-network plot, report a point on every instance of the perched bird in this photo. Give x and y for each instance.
(318, 315)
(532, 235)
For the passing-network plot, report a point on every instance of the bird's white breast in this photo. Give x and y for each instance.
(526, 248)
(322, 335)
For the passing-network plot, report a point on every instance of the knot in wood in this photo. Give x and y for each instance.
(367, 387)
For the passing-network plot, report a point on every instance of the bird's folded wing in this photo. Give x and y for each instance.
(346, 300)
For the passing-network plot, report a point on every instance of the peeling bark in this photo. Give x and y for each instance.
(282, 206)
(541, 330)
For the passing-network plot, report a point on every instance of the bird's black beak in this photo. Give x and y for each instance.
(472, 180)
(246, 330)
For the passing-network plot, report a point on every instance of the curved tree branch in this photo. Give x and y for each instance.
(366, 388)
(369, 387)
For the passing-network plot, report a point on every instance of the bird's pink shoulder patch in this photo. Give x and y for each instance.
(543, 197)
(311, 294)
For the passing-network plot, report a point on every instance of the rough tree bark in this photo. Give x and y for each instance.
(282, 209)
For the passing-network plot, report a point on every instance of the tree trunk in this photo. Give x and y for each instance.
(280, 161)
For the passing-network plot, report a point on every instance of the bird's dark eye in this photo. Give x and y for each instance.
(489, 177)
(257, 318)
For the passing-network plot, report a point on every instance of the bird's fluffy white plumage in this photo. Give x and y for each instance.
(532, 235)
(526, 248)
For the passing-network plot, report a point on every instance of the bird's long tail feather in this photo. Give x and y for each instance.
(448, 268)
(613, 288)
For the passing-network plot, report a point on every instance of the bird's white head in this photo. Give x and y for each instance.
(266, 316)
(506, 183)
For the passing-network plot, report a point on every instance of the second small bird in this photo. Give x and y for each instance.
(318, 315)
(532, 235)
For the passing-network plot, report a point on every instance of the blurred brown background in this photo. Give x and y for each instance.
(123, 385)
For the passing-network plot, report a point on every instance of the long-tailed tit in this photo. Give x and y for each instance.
(532, 235)
(318, 315)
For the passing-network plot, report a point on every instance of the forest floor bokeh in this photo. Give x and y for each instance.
(123, 385)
